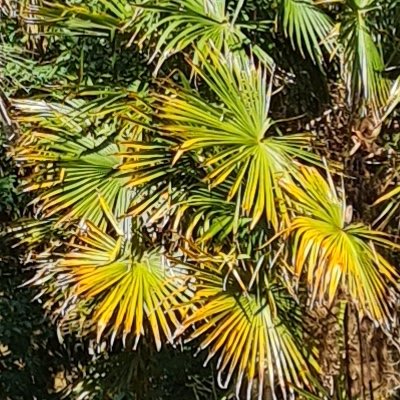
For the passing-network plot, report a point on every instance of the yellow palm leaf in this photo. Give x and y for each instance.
(335, 253)
(250, 333)
(131, 294)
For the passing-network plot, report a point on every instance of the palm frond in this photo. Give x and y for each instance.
(335, 253)
(237, 138)
(362, 57)
(173, 25)
(132, 292)
(194, 22)
(249, 332)
(308, 28)
(73, 154)
(128, 291)
(68, 183)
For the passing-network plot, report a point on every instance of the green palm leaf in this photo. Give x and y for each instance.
(81, 19)
(362, 57)
(198, 22)
(336, 253)
(207, 216)
(237, 138)
(173, 25)
(308, 27)
(69, 183)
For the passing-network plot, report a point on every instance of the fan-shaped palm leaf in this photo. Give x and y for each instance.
(362, 60)
(69, 182)
(307, 26)
(69, 169)
(236, 138)
(197, 22)
(251, 333)
(130, 290)
(73, 154)
(174, 25)
(335, 252)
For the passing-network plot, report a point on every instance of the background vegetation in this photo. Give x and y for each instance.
(199, 177)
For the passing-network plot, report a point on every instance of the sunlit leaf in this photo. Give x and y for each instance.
(73, 154)
(249, 333)
(238, 138)
(334, 253)
(362, 57)
(132, 293)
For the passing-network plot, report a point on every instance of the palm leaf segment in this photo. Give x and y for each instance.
(392, 204)
(337, 254)
(251, 333)
(236, 138)
(362, 64)
(308, 27)
(69, 183)
(132, 293)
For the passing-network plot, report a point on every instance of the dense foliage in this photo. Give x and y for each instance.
(205, 176)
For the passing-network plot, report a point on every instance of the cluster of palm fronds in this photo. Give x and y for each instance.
(182, 210)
